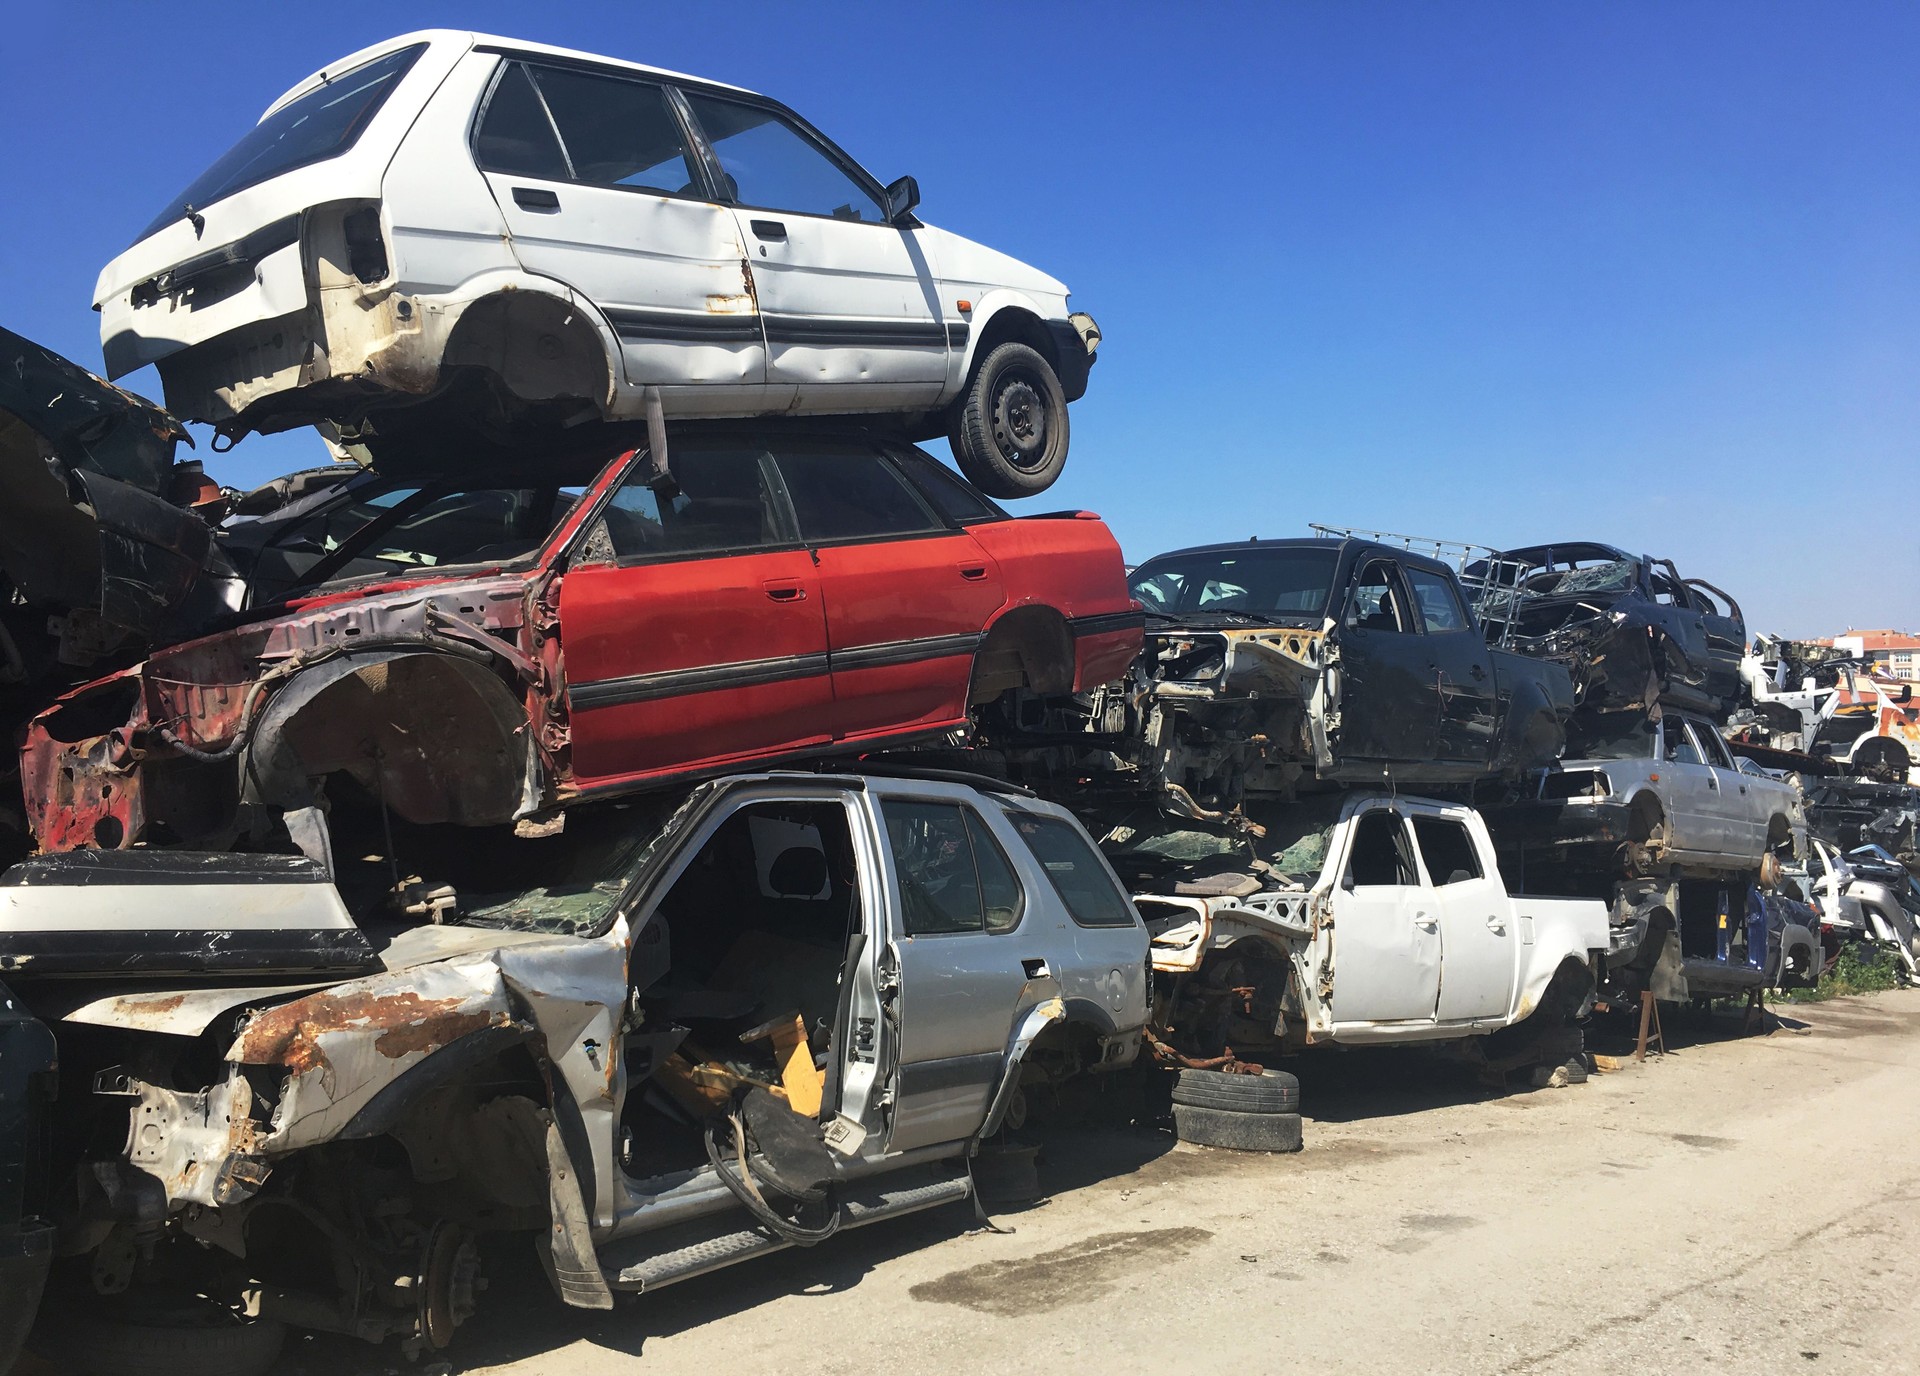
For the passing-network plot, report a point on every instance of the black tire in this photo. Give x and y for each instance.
(1010, 431)
(178, 1336)
(1271, 1091)
(1213, 1127)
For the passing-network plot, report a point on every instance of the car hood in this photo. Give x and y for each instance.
(966, 261)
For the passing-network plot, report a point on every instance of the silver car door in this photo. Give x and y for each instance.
(1744, 808)
(1690, 790)
(852, 304)
(961, 927)
(1386, 927)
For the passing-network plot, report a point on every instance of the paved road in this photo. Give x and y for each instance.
(1747, 1205)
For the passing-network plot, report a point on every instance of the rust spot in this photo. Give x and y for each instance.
(430, 1034)
(150, 1007)
(288, 1035)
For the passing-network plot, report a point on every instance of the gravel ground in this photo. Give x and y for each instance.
(1744, 1205)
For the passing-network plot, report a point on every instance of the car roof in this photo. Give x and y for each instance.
(1568, 549)
(1354, 543)
(468, 39)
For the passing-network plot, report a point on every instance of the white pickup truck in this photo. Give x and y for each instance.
(1396, 927)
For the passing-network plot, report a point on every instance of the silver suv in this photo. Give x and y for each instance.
(685, 1032)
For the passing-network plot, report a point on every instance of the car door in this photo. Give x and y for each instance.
(1683, 622)
(1745, 819)
(953, 977)
(601, 189)
(852, 304)
(1698, 820)
(1462, 670)
(1386, 927)
(692, 625)
(907, 596)
(1389, 698)
(1477, 937)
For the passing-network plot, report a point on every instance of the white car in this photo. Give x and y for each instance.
(545, 235)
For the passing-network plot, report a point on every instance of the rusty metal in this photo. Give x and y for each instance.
(1229, 1064)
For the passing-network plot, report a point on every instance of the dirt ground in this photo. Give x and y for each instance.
(1746, 1204)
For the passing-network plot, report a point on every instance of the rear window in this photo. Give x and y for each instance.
(323, 123)
(1079, 875)
(950, 496)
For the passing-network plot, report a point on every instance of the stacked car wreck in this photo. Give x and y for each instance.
(636, 801)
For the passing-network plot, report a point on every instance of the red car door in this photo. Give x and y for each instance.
(692, 626)
(908, 596)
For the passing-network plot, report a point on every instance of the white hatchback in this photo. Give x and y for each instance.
(525, 237)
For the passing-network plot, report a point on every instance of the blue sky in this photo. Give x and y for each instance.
(1637, 272)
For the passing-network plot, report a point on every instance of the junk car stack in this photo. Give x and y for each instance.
(636, 800)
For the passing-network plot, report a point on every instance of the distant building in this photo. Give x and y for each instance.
(1889, 654)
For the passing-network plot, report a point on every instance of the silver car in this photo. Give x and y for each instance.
(1668, 798)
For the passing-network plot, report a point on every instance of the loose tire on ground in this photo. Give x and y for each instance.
(183, 1336)
(1213, 1127)
(1009, 431)
(1271, 1091)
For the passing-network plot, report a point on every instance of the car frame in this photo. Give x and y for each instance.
(490, 692)
(379, 240)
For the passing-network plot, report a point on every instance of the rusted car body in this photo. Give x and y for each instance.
(766, 597)
(593, 1052)
(1628, 627)
(1273, 663)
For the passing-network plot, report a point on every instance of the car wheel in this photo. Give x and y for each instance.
(171, 1335)
(1271, 1091)
(1219, 1127)
(1009, 431)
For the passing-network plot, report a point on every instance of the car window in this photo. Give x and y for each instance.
(1668, 589)
(1280, 581)
(322, 124)
(516, 137)
(850, 494)
(1376, 600)
(1439, 603)
(1381, 854)
(616, 132)
(1447, 847)
(1716, 748)
(1082, 879)
(1600, 737)
(728, 500)
(1679, 745)
(469, 527)
(953, 875)
(771, 163)
(948, 493)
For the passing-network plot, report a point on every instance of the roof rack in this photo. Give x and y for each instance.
(896, 769)
(1462, 554)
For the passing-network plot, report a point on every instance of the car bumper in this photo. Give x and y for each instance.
(1074, 351)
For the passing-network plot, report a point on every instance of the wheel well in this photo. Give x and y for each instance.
(539, 347)
(1882, 750)
(438, 737)
(1013, 324)
(1029, 647)
(1644, 815)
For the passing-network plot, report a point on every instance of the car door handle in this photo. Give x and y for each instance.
(1478, 671)
(786, 592)
(973, 573)
(1714, 784)
(1425, 923)
(1496, 924)
(768, 229)
(534, 198)
(1036, 969)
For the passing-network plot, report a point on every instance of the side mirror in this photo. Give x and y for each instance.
(902, 196)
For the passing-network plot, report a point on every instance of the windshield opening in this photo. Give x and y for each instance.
(1624, 736)
(1274, 582)
(323, 123)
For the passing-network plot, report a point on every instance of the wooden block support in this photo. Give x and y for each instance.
(1650, 1031)
(803, 1082)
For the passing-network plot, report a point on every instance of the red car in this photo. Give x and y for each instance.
(483, 649)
